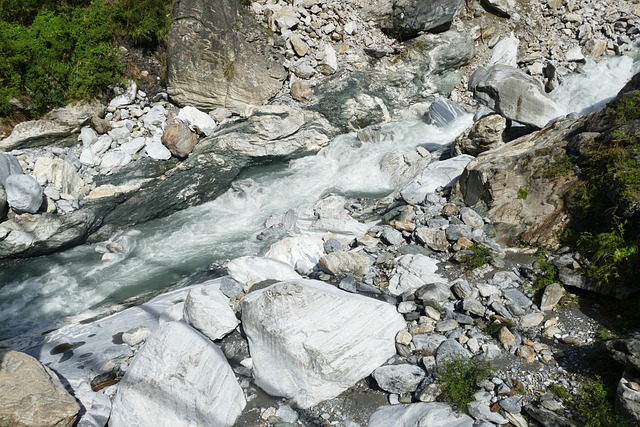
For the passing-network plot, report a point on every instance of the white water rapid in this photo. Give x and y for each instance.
(177, 250)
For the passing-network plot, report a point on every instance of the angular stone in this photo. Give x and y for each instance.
(551, 296)
(300, 252)
(481, 411)
(442, 112)
(207, 309)
(178, 378)
(433, 238)
(412, 272)
(301, 91)
(419, 414)
(299, 46)
(114, 159)
(403, 378)
(338, 263)
(198, 121)
(301, 338)
(31, 395)
(428, 343)
(471, 218)
(484, 135)
(531, 320)
(451, 349)
(157, 151)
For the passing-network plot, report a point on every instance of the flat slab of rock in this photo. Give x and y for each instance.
(310, 341)
(179, 378)
(32, 395)
(419, 414)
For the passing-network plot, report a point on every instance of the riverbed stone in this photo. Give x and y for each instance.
(432, 414)
(402, 378)
(31, 395)
(9, 165)
(412, 272)
(207, 309)
(179, 377)
(59, 173)
(300, 252)
(250, 270)
(301, 338)
(24, 194)
(338, 263)
(551, 296)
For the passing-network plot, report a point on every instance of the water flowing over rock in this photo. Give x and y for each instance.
(419, 414)
(31, 395)
(218, 56)
(57, 126)
(301, 337)
(180, 378)
(514, 94)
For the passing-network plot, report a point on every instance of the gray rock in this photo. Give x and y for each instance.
(481, 411)
(471, 218)
(218, 56)
(473, 306)
(9, 165)
(399, 379)
(516, 296)
(32, 395)
(451, 349)
(428, 343)
(443, 112)
(628, 395)
(511, 404)
(391, 236)
(338, 263)
(408, 17)
(457, 231)
(24, 194)
(547, 417)
(419, 414)
(446, 325)
(514, 94)
(500, 7)
(412, 272)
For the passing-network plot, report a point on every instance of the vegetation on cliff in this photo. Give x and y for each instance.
(58, 51)
(606, 206)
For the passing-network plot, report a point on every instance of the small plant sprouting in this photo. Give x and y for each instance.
(479, 256)
(523, 193)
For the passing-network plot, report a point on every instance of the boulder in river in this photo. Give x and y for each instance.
(310, 341)
(24, 194)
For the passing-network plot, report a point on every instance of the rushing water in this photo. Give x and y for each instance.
(177, 250)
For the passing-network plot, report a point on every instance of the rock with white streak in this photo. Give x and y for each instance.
(418, 415)
(24, 194)
(132, 147)
(301, 333)
(300, 252)
(481, 411)
(207, 309)
(250, 270)
(412, 272)
(197, 120)
(179, 378)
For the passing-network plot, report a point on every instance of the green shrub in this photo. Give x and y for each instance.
(55, 52)
(595, 406)
(545, 273)
(479, 256)
(459, 380)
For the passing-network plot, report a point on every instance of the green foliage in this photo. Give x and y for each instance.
(559, 392)
(545, 273)
(523, 193)
(56, 51)
(563, 167)
(606, 206)
(479, 256)
(594, 405)
(459, 378)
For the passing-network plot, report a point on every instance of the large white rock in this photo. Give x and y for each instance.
(436, 174)
(419, 415)
(157, 151)
(506, 52)
(24, 194)
(300, 252)
(197, 120)
(310, 341)
(250, 270)
(59, 173)
(207, 309)
(179, 378)
(412, 272)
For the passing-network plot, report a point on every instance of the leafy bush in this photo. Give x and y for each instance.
(459, 378)
(55, 52)
(479, 256)
(606, 206)
(545, 273)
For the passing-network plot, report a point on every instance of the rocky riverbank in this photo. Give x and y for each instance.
(355, 317)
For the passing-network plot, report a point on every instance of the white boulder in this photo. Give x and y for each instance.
(250, 270)
(310, 341)
(24, 194)
(436, 174)
(198, 121)
(207, 309)
(412, 272)
(419, 415)
(300, 252)
(179, 378)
